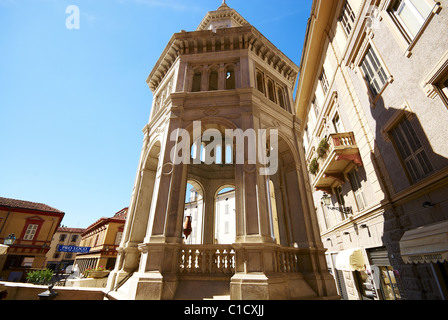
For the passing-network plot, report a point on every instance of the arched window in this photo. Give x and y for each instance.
(230, 78)
(225, 216)
(197, 81)
(271, 91)
(193, 211)
(281, 98)
(213, 81)
(260, 82)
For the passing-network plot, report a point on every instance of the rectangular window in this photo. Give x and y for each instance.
(74, 238)
(30, 232)
(28, 262)
(410, 15)
(411, 151)
(374, 72)
(62, 237)
(118, 238)
(315, 107)
(226, 227)
(341, 201)
(347, 18)
(337, 124)
(357, 190)
(324, 81)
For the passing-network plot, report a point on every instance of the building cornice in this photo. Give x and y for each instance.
(223, 40)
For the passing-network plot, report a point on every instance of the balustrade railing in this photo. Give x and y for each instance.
(220, 260)
(288, 260)
(207, 259)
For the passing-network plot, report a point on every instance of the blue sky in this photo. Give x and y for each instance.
(73, 102)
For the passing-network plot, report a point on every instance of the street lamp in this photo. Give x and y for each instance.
(327, 200)
(9, 240)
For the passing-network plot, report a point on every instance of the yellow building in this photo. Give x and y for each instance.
(103, 237)
(57, 260)
(33, 225)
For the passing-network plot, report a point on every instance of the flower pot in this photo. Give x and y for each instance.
(98, 274)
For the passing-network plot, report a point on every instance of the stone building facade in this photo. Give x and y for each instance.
(372, 96)
(229, 77)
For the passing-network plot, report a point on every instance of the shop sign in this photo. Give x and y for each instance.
(62, 248)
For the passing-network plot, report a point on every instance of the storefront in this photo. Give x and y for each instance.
(429, 244)
(370, 272)
(353, 262)
(386, 279)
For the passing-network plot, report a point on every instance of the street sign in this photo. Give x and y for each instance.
(62, 248)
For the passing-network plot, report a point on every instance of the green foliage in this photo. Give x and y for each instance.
(323, 147)
(39, 276)
(314, 166)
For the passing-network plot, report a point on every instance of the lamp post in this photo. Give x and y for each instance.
(327, 201)
(9, 240)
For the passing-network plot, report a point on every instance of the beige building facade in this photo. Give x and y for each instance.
(64, 236)
(227, 76)
(103, 238)
(372, 96)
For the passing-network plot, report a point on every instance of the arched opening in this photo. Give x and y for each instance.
(271, 91)
(213, 81)
(230, 78)
(197, 81)
(273, 210)
(225, 215)
(193, 212)
(260, 82)
(281, 97)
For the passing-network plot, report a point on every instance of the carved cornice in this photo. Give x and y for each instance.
(228, 39)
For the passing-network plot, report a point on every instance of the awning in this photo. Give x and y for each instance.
(425, 244)
(350, 260)
(3, 249)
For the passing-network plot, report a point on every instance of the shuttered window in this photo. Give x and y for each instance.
(411, 151)
(373, 72)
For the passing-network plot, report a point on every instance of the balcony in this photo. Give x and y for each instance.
(340, 154)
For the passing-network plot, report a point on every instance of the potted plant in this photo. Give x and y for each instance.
(314, 166)
(97, 273)
(39, 276)
(322, 148)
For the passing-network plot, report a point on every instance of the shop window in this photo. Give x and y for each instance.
(389, 283)
(347, 18)
(410, 151)
(374, 72)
